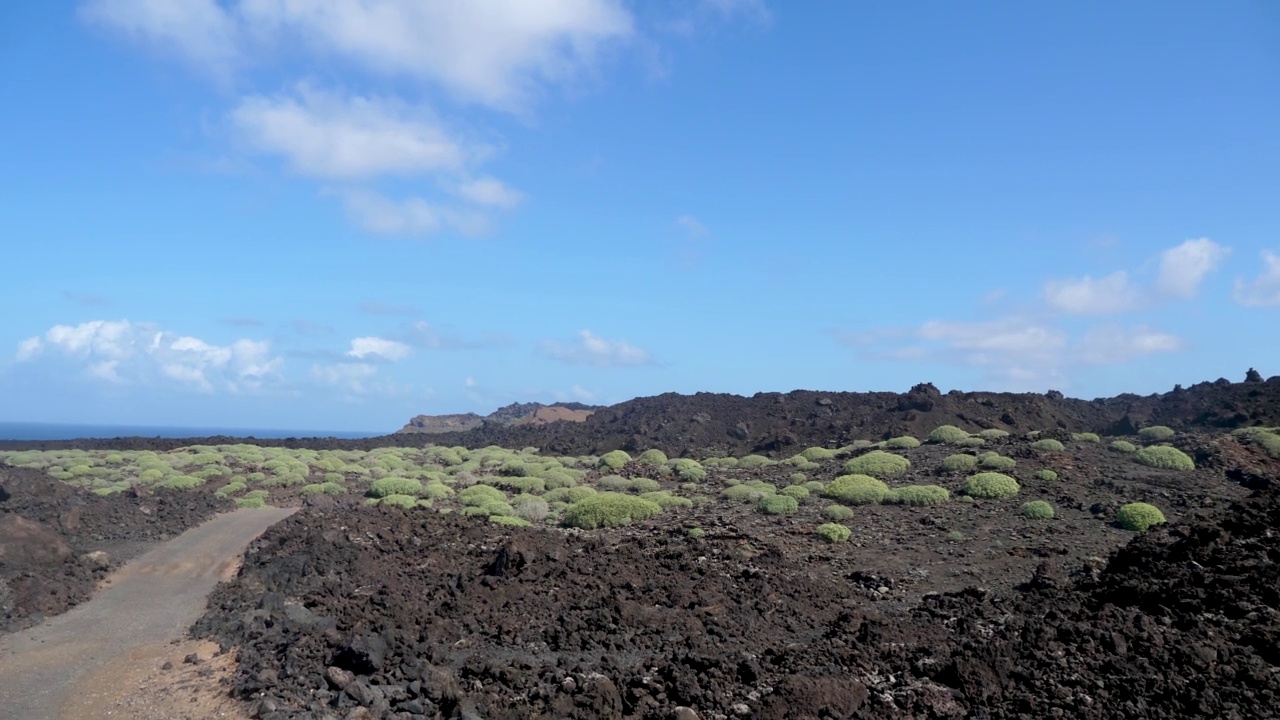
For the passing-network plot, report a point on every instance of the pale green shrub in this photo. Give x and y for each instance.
(903, 442)
(838, 512)
(1123, 446)
(644, 485)
(182, 482)
(569, 494)
(799, 492)
(1139, 516)
(509, 520)
(815, 454)
(991, 485)
(754, 461)
(609, 510)
(778, 505)
(403, 501)
(652, 457)
(1048, 445)
(856, 489)
(921, 495)
(478, 495)
(666, 500)
(877, 463)
(993, 434)
(1037, 510)
(1046, 475)
(689, 470)
(1164, 458)
(833, 532)
(1086, 437)
(995, 461)
(959, 463)
(614, 460)
(395, 486)
(1156, 433)
(947, 435)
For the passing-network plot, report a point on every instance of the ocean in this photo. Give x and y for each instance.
(73, 431)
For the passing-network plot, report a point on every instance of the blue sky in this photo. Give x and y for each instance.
(335, 215)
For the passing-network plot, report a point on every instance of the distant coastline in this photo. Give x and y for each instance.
(77, 431)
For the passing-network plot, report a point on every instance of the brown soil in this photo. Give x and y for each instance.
(57, 542)
(952, 611)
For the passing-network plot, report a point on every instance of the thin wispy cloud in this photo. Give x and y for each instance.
(376, 347)
(1263, 290)
(591, 349)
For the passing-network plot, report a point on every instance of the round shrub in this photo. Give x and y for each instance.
(970, 442)
(251, 502)
(569, 495)
(1046, 475)
(902, 442)
(877, 463)
(1048, 445)
(509, 520)
(745, 493)
(436, 490)
(958, 463)
(921, 495)
(609, 510)
(529, 484)
(778, 505)
(991, 485)
(815, 486)
(478, 495)
(1164, 458)
(799, 492)
(696, 533)
(395, 486)
(644, 485)
(616, 483)
(398, 500)
(1037, 510)
(814, 454)
(614, 460)
(1086, 437)
(529, 507)
(994, 461)
(234, 487)
(947, 434)
(151, 475)
(833, 532)
(1269, 442)
(856, 489)
(514, 468)
(1138, 516)
(1123, 446)
(558, 478)
(754, 461)
(665, 499)
(182, 482)
(1156, 433)
(993, 434)
(689, 470)
(838, 512)
(324, 488)
(652, 457)
(797, 478)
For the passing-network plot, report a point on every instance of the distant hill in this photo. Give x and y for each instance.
(513, 414)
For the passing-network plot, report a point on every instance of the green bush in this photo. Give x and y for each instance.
(1123, 446)
(524, 484)
(1046, 475)
(746, 492)
(754, 461)
(970, 442)
(838, 512)
(797, 478)
(182, 482)
(325, 488)
(530, 507)
(696, 533)
(251, 502)
(689, 470)
(815, 454)
(921, 495)
(609, 510)
(778, 505)
(234, 487)
(397, 500)
(514, 468)
(665, 499)
(1037, 510)
(1156, 433)
(553, 478)
(616, 483)
(958, 463)
(991, 485)
(995, 461)
(395, 486)
(1139, 516)
(509, 520)
(902, 442)
(478, 495)
(652, 457)
(436, 490)
(1086, 437)
(947, 434)
(569, 495)
(151, 475)
(644, 485)
(614, 460)
(1269, 442)
(877, 463)
(833, 532)
(856, 489)
(815, 486)
(993, 434)
(799, 492)
(1048, 445)
(1164, 458)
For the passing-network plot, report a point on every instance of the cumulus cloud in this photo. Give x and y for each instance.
(350, 377)
(1182, 268)
(326, 135)
(1263, 290)
(1113, 344)
(1089, 296)
(495, 52)
(124, 352)
(376, 347)
(590, 349)
(490, 192)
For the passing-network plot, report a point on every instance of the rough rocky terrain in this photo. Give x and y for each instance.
(58, 542)
(513, 414)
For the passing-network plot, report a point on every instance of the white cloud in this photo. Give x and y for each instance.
(496, 52)
(1263, 290)
(330, 136)
(381, 215)
(1183, 267)
(199, 30)
(469, 383)
(348, 376)
(692, 226)
(1087, 296)
(125, 352)
(1112, 344)
(365, 347)
(490, 192)
(590, 349)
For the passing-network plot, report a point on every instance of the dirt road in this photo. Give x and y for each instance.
(61, 667)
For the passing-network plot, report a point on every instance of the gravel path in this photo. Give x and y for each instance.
(151, 600)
